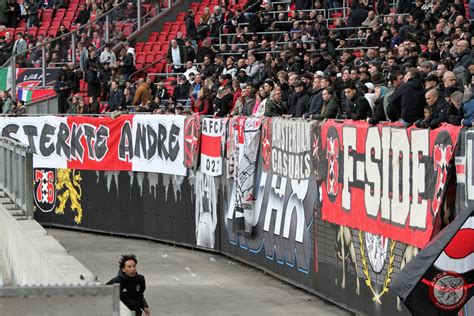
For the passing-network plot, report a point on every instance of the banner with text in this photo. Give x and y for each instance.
(211, 146)
(150, 143)
(291, 148)
(386, 180)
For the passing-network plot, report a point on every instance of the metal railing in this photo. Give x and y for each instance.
(107, 26)
(16, 174)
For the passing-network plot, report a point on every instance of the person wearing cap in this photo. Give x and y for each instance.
(182, 89)
(408, 101)
(299, 105)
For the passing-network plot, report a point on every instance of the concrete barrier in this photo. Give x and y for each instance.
(35, 258)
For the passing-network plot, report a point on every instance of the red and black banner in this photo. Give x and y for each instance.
(192, 141)
(386, 179)
(440, 279)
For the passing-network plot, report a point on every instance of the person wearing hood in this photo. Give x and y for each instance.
(408, 101)
(132, 285)
(378, 109)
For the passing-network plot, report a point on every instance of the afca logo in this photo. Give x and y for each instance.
(44, 189)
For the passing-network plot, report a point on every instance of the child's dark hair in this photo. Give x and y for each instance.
(125, 258)
(427, 108)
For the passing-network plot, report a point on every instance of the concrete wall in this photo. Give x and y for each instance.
(34, 257)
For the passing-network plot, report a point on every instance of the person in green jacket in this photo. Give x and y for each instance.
(330, 107)
(274, 106)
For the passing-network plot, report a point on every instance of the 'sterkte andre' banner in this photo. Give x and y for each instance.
(149, 143)
(386, 180)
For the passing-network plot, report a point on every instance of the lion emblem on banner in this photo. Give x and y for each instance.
(68, 186)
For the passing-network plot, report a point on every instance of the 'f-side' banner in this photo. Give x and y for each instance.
(386, 180)
(291, 148)
(149, 143)
(211, 151)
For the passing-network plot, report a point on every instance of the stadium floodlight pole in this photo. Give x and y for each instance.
(43, 65)
(73, 48)
(139, 15)
(107, 23)
(13, 76)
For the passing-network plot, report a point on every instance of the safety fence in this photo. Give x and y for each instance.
(16, 174)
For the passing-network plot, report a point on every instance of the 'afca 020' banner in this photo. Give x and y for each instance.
(386, 180)
(150, 143)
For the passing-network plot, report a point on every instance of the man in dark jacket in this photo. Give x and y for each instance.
(464, 53)
(132, 285)
(63, 90)
(439, 110)
(117, 98)
(408, 101)
(93, 82)
(182, 89)
(191, 32)
(301, 100)
(315, 99)
(357, 106)
(83, 15)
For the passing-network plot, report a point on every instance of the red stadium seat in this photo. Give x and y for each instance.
(149, 58)
(152, 37)
(139, 47)
(161, 38)
(140, 58)
(147, 48)
(156, 47)
(166, 27)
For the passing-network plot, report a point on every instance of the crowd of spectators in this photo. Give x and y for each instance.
(411, 64)
(90, 28)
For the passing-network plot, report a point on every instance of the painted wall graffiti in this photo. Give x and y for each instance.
(206, 188)
(281, 219)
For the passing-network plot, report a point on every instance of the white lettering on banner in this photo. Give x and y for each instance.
(393, 148)
(291, 149)
(372, 187)
(349, 140)
(469, 167)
